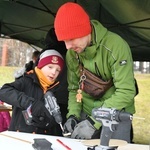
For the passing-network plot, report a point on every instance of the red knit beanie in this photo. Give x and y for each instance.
(50, 57)
(71, 22)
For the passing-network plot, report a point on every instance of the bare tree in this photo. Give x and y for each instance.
(18, 52)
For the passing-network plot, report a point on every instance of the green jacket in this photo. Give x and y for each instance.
(114, 60)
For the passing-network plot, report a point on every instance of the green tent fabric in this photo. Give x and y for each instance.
(30, 20)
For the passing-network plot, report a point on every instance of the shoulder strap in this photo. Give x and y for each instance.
(81, 66)
(77, 56)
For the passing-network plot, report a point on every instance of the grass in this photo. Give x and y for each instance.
(7, 74)
(142, 103)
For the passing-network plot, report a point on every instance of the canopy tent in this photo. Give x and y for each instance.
(30, 20)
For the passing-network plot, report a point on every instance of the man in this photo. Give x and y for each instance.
(28, 66)
(99, 50)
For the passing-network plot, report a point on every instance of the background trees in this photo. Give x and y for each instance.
(15, 53)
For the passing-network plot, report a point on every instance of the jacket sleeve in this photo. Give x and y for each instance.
(12, 93)
(123, 78)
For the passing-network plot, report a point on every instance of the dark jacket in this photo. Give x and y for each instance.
(20, 94)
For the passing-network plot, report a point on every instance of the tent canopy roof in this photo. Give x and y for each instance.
(30, 20)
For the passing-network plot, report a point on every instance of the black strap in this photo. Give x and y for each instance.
(97, 71)
(90, 120)
(96, 67)
(77, 56)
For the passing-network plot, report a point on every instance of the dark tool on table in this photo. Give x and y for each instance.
(39, 143)
(42, 144)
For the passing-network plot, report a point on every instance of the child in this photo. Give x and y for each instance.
(29, 90)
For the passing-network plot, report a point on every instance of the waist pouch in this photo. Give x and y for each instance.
(93, 84)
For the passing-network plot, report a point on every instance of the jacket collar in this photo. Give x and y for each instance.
(98, 32)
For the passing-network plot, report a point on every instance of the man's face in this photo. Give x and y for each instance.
(78, 44)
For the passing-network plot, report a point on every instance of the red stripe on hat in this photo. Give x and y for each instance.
(54, 59)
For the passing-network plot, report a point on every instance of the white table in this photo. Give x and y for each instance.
(23, 141)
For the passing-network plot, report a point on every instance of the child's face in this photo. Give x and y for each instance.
(51, 71)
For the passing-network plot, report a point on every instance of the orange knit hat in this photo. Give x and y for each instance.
(71, 22)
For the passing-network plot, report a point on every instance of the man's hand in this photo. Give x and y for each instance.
(85, 129)
(70, 124)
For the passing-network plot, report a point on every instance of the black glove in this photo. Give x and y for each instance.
(43, 122)
(71, 122)
(85, 129)
(40, 116)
